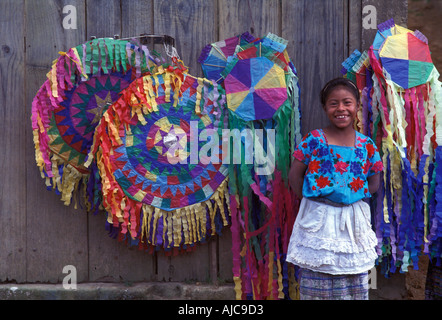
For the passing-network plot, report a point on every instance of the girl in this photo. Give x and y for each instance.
(334, 170)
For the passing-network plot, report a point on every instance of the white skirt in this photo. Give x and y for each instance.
(334, 240)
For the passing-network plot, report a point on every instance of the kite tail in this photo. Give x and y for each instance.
(406, 125)
(263, 206)
(434, 245)
(153, 228)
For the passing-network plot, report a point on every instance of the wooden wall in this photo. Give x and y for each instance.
(38, 234)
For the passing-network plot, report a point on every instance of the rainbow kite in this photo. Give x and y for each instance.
(401, 109)
(80, 86)
(262, 206)
(214, 57)
(163, 187)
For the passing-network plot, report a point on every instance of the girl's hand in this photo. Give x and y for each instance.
(373, 182)
(296, 177)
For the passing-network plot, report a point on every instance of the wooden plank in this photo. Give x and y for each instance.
(258, 17)
(317, 49)
(114, 261)
(56, 234)
(191, 23)
(186, 266)
(103, 18)
(110, 260)
(12, 139)
(137, 18)
(225, 257)
(354, 25)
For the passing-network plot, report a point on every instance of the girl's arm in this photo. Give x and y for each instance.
(296, 177)
(373, 182)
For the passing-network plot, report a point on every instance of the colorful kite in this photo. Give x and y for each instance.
(214, 57)
(385, 30)
(262, 205)
(407, 60)
(81, 85)
(159, 156)
(255, 88)
(255, 81)
(401, 109)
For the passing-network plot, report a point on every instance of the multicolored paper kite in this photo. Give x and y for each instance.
(82, 83)
(407, 60)
(401, 109)
(255, 81)
(214, 57)
(385, 30)
(262, 97)
(255, 88)
(164, 183)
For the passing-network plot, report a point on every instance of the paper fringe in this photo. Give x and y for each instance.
(263, 209)
(406, 124)
(78, 64)
(143, 224)
(154, 228)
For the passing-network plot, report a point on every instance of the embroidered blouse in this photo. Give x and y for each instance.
(337, 173)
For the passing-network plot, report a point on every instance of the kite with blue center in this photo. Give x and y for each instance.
(159, 153)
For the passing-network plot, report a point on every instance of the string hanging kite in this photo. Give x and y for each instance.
(401, 109)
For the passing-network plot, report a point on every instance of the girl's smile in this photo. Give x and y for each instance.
(341, 108)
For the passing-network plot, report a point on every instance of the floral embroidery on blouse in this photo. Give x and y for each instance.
(336, 172)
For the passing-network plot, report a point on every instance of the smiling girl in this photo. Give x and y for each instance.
(334, 170)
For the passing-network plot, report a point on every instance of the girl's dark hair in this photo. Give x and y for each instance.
(338, 82)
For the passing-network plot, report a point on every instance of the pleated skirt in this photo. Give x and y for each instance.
(323, 286)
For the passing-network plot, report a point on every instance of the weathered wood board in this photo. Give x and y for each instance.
(38, 234)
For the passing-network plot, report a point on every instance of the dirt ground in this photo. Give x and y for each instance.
(425, 16)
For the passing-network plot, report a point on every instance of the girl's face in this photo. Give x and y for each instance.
(341, 107)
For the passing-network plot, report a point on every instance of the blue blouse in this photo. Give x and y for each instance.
(337, 173)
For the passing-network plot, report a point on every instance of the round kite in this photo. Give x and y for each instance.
(159, 154)
(386, 29)
(255, 82)
(407, 59)
(255, 88)
(401, 109)
(81, 85)
(262, 96)
(214, 57)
